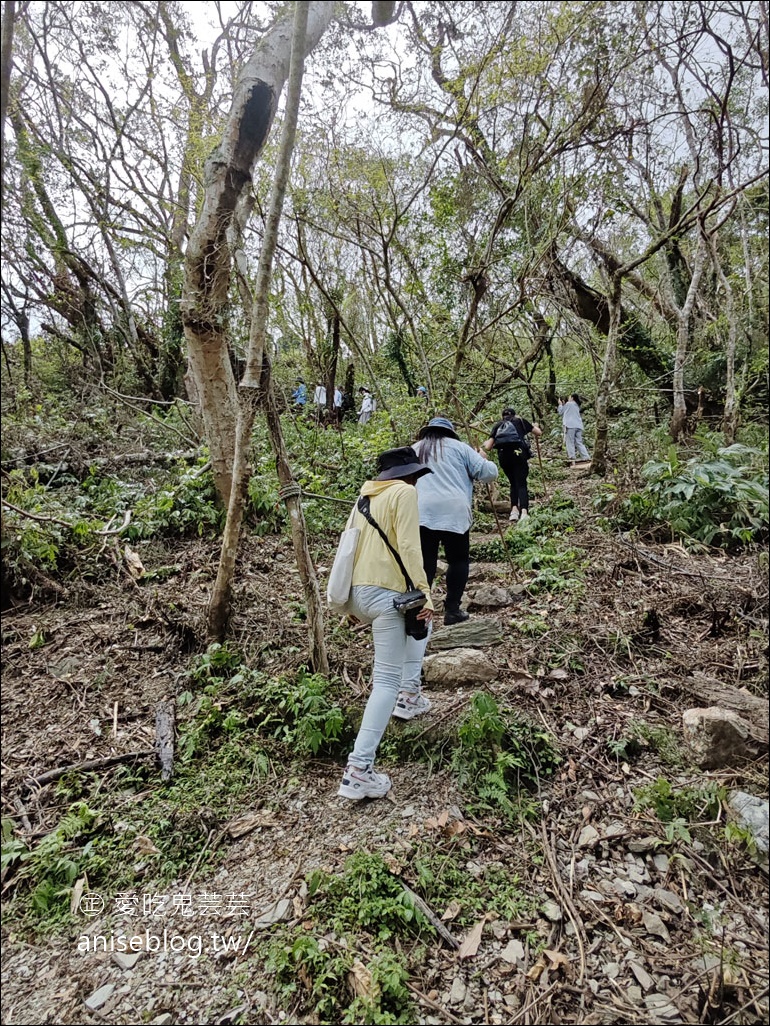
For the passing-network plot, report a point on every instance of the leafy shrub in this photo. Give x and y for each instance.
(49, 869)
(500, 755)
(719, 499)
(330, 982)
(367, 896)
(298, 713)
(685, 803)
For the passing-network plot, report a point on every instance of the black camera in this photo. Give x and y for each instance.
(414, 599)
(410, 603)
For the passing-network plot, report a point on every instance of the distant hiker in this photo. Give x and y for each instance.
(377, 581)
(445, 500)
(367, 405)
(319, 401)
(509, 437)
(299, 395)
(337, 410)
(569, 411)
(421, 392)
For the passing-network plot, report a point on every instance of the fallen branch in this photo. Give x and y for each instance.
(432, 918)
(164, 738)
(50, 776)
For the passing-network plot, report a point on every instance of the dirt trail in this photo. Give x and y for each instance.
(634, 929)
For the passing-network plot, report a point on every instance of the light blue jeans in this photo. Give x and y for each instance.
(574, 439)
(397, 665)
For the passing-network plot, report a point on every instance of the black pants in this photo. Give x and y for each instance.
(457, 549)
(516, 469)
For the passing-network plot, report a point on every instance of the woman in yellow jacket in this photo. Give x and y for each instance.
(377, 581)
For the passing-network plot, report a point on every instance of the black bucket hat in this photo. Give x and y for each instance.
(443, 424)
(402, 462)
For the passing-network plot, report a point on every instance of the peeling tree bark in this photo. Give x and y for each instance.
(679, 416)
(256, 379)
(227, 176)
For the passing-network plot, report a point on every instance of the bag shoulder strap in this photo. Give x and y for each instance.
(363, 506)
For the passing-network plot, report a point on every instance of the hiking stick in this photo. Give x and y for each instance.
(540, 464)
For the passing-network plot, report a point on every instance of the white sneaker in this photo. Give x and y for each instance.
(363, 783)
(524, 515)
(409, 705)
(514, 515)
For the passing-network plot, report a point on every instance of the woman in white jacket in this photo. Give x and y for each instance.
(569, 411)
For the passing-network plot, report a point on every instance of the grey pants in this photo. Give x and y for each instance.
(397, 665)
(574, 439)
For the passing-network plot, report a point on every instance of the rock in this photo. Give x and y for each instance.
(611, 969)
(162, 1020)
(654, 924)
(642, 976)
(716, 736)
(624, 887)
(514, 953)
(581, 733)
(662, 1009)
(126, 960)
(588, 835)
(661, 863)
(489, 596)
(407, 811)
(100, 997)
(458, 667)
(634, 995)
(458, 992)
(478, 632)
(642, 844)
(670, 901)
(592, 895)
(281, 910)
(615, 829)
(552, 911)
(752, 814)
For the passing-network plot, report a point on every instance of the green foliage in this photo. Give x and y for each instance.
(441, 877)
(537, 544)
(499, 756)
(366, 896)
(188, 506)
(687, 804)
(47, 871)
(641, 736)
(298, 714)
(320, 978)
(719, 499)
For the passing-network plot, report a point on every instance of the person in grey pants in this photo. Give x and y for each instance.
(569, 411)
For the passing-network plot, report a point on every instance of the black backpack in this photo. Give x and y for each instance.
(508, 436)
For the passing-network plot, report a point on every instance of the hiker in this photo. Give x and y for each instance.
(339, 397)
(377, 581)
(421, 392)
(569, 411)
(445, 501)
(367, 405)
(509, 437)
(299, 395)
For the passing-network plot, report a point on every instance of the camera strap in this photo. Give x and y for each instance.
(363, 506)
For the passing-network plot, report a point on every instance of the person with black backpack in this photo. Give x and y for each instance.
(509, 437)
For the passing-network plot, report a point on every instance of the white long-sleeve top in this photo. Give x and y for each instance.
(570, 414)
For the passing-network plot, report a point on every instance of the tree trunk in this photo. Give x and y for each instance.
(6, 62)
(599, 461)
(730, 417)
(257, 384)
(678, 421)
(227, 175)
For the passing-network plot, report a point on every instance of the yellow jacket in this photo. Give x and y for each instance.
(393, 504)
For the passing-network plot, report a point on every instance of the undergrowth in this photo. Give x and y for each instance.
(717, 498)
